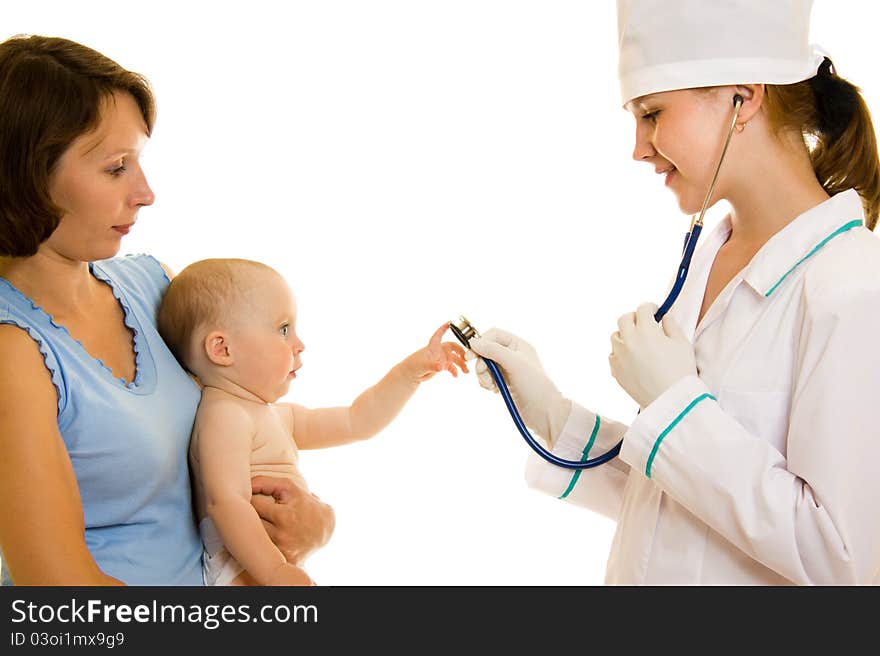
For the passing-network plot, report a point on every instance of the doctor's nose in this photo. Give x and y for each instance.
(643, 148)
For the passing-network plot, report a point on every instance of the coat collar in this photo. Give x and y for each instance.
(771, 265)
(801, 239)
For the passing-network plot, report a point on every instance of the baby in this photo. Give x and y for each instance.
(232, 324)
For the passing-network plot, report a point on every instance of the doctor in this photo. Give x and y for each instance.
(754, 457)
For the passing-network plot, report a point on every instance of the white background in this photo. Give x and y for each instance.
(402, 163)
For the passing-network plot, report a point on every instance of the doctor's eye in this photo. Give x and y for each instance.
(651, 116)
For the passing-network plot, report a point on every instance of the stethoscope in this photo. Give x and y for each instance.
(464, 330)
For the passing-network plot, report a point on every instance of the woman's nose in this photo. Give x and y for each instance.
(643, 148)
(142, 195)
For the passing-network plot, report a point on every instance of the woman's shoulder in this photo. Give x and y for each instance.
(26, 355)
(141, 274)
(848, 272)
(23, 324)
(133, 264)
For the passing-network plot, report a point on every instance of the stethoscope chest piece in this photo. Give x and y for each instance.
(463, 331)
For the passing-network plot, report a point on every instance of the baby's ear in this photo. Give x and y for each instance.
(217, 348)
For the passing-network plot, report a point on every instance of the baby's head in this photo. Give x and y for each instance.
(232, 323)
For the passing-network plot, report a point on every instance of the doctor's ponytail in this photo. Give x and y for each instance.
(834, 119)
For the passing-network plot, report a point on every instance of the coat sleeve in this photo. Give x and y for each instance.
(811, 514)
(585, 435)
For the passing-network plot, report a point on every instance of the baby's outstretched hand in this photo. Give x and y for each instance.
(437, 356)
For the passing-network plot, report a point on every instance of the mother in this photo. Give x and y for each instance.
(96, 412)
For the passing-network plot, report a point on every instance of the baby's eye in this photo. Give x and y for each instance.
(285, 329)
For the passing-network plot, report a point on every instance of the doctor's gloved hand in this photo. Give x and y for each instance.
(647, 358)
(541, 405)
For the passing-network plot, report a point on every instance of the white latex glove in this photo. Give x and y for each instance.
(541, 406)
(647, 358)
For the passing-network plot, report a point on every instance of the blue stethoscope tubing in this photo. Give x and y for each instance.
(690, 243)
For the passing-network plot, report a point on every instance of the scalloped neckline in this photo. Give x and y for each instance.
(128, 319)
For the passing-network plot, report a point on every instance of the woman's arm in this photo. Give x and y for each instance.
(42, 528)
(568, 430)
(809, 514)
(584, 435)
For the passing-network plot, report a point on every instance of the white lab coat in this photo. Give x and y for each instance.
(766, 466)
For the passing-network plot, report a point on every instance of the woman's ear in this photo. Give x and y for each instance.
(217, 348)
(753, 100)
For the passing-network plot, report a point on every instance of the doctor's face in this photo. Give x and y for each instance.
(680, 134)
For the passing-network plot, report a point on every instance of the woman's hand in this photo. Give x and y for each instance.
(436, 356)
(297, 521)
(540, 403)
(647, 358)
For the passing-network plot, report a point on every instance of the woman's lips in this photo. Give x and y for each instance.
(124, 229)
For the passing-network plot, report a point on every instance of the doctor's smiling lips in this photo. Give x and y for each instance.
(669, 172)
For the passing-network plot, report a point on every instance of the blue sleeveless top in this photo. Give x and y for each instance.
(127, 442)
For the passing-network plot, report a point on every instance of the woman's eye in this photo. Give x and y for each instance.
(651, 116)
(118, 170)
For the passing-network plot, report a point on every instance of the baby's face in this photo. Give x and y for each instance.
(265, 345)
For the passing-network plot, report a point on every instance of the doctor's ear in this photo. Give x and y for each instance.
(753, 98)
(217, 348)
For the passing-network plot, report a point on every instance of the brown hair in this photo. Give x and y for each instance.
(836, 125)
(51, 91)
(198, 298)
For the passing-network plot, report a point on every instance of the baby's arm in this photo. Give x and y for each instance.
(223, 450)
(379, 405)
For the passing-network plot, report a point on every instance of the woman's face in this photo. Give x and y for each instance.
(681, 135)
(99, 184)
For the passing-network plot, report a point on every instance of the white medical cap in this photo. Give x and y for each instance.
(682, 44)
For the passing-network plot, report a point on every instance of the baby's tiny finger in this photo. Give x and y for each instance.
(438, 334)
